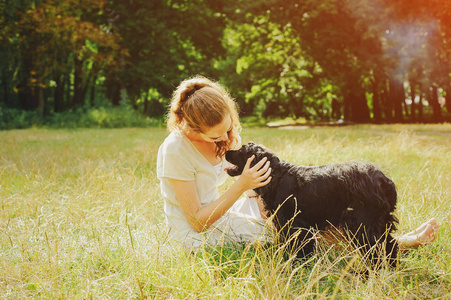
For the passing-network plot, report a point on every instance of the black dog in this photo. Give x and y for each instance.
(356, 198)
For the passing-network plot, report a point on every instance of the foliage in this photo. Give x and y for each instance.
(112, 117)
(271, 59)
(102, 117)
(167, 41)
(60, 48)
(357, 41)
(12, 118)
(382, 61)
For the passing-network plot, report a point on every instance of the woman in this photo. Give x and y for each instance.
(203, 121)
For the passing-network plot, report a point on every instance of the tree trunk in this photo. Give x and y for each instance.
(347, 107)
(406, 107)
(336, 109)
(25, 93)
(433, 101)
(377, 110)
(90, 81)
(387, 106)
(396, 97)
(420, 108)
(78, 82)
(413, 105)
(41, 101)
(85, 87)
(448, 100)
(113, 91)
(363, 110)
(5, 98)
(116, 95)
(67, 85)
(93, 91)
(146, 105)
(295, 106)
(359, 110)
(59, 93)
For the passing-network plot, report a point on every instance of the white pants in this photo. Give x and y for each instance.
(242, 222)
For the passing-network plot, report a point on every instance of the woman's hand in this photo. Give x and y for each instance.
(257, 176)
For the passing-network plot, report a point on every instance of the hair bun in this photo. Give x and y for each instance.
(193, 90)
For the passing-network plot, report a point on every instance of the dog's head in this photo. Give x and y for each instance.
(239, 157)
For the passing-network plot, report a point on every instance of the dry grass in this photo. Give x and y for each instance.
(81, 217)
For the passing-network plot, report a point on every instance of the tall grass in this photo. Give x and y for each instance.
(81, 217)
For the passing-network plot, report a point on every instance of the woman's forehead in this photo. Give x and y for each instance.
(221, 128)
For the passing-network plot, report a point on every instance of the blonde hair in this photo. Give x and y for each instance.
(199, 103)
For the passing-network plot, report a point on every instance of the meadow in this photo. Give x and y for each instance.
(81, 217)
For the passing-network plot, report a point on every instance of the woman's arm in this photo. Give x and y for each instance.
(200, 218)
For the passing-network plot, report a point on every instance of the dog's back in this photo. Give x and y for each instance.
(330, 187)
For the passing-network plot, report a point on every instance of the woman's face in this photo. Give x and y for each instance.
(218, 132)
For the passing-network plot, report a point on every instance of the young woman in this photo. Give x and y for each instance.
(203, 121)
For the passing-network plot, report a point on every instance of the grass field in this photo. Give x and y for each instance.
(81, 217)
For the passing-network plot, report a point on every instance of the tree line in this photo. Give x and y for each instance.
(361, 60)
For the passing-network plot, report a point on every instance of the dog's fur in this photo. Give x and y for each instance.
(354, 197)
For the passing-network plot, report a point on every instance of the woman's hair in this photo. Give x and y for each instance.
(199, 103)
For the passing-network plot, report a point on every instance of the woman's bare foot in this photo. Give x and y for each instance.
(424, 234)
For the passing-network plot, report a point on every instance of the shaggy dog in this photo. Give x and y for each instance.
(355, 198)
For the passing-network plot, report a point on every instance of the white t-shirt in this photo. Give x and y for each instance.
(179, 159)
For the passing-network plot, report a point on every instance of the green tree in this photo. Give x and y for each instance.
(361, 42)
(275, 76)
(59, 43)
(166, 41)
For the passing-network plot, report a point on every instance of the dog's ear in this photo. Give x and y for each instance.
(251, 143)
